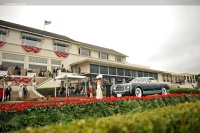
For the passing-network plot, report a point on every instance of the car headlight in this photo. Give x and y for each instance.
(127, 88)
(114, 88)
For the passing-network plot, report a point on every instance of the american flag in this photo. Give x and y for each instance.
(47, 22)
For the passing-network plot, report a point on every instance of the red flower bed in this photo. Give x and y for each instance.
(60, 102)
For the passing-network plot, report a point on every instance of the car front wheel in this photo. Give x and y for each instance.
(163, 91)
(138, 92)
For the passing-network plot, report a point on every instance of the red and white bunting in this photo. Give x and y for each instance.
(31, 48)
(61, 54)
(19, 79)
(2, 43)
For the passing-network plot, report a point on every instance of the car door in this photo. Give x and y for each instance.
(153, 86)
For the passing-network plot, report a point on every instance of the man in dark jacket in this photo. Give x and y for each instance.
(25, 91)
(8, 92)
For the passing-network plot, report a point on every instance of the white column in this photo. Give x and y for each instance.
(66, 88)
(113, 81)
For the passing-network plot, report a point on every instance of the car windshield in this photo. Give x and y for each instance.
(139, 80)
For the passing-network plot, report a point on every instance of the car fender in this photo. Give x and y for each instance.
(134, 87)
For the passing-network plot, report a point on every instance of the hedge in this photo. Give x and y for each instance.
(13, 120)
(48, 91)
(182, 118)
(184, 90)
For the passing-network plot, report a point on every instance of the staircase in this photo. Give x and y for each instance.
(42, 81)
(32, 93)
(186, 85)
(49, 83)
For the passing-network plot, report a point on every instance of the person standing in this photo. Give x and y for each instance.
(8, 92)
(25, 91)
(99, 94)
(91, 92)
(20, 91)
(54, 73)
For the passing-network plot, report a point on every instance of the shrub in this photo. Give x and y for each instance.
(198, 83)
(38, 115)
(48, 91)
(181, 118)
(184, 90)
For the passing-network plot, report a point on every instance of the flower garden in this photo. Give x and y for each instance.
(153, 113)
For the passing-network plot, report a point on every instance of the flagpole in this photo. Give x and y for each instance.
(44, 25)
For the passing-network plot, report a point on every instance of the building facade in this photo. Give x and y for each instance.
(30, 48)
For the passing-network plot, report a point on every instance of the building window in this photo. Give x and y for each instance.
(56, 62)
(58, 47)
(2, 37)
(150, 74)
(128, 72)
(94, 69)
(112, 71)
(103, 70)
(103, 55)
(41, 67)
(78, 70)
(13, 57)
(12, 64)
(3, 33)
(120, 71)
(118, 58)
(146, 74)
(30, 42)
(155, 75)
(140, 74)
(85, 52)
(38, 60)
(134, 73)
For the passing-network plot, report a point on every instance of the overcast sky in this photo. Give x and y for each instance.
(163, 37)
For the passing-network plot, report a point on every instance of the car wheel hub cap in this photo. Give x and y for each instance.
(163, 91)
(138, 92)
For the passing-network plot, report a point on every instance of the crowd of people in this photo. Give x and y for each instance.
(7, 90)
(23, 91)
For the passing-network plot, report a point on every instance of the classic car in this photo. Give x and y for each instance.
(140, 86)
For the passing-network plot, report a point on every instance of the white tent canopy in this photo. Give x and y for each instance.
(70, 77)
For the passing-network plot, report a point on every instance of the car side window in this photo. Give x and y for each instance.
(152, 80)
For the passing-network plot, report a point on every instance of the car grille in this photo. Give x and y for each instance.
(119, 88)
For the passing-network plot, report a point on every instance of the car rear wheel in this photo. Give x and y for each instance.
(163, 91)
(138, 92)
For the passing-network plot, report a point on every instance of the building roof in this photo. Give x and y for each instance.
(33, 30)
(116, 64)
(56, 36)
(102, 49)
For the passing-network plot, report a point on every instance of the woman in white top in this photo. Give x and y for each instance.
(20, 91)
(99, 94)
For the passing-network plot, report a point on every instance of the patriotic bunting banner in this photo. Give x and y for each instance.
(61, 54)
(31, 48)
(20, 79)
(2, 43)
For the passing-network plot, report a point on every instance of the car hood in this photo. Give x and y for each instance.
(125, 84)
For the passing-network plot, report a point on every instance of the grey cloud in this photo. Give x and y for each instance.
(181, 51)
